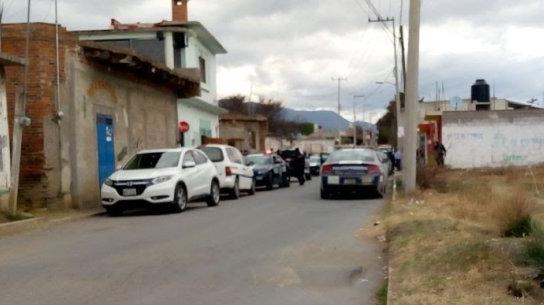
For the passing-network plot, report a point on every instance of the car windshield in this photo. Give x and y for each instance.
(352, 155)
(259, 160)
(214, 153)
(153, 160)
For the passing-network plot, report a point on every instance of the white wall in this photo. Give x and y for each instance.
(190, 59)
(494, 139)
(5, 161)
(194, 116)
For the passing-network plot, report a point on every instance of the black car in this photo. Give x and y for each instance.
(269, 170)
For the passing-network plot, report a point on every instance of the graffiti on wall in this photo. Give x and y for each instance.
(490, 145)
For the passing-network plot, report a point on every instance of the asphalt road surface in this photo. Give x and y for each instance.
(283, 247)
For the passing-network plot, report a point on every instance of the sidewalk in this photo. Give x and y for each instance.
(45, 218)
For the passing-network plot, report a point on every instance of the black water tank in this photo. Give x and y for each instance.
(481, 92)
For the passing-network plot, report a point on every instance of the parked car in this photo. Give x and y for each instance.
(315, 164)
(235, 175)
(350, 171)
(169, 177)
(269, 170)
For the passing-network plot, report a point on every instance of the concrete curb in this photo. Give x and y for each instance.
(21, 226)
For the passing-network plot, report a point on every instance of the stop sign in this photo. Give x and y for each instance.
(183, 126)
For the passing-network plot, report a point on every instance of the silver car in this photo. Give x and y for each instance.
(353, 171)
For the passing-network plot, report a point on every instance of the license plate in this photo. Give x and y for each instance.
(368, 180)
(333, 180)
(350, 181)
(129, 192)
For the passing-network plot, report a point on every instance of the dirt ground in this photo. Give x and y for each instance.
(462, 239)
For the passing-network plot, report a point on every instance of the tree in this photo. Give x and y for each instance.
(269, 108)
(387, 126)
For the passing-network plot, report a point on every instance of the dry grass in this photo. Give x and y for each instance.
(448, 242)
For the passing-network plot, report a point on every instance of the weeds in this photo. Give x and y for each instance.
(381, 294)
(513, 214)
(535, 247)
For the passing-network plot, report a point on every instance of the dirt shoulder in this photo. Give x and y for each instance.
(470, 237)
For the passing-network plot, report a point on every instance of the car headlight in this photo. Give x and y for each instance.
(161, 179)
(108, 182)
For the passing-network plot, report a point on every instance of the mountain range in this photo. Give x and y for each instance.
(328, 120)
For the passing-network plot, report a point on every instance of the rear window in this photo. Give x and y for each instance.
(214, 153)
(153, 160)
(352, 155)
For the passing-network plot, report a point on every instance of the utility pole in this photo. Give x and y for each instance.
(339, 80)
(355, 97)
(410, 170)
(400, 124)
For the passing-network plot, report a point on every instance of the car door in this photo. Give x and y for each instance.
(245, 173)
(203, 173)
(189, 170)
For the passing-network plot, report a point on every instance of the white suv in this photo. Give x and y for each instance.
(234, 174)
(162, 177)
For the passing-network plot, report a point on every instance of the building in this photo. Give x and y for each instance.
(178, 43)
(247, 133)
(112, 103)
(5, 156)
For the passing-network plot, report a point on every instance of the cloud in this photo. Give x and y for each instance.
(289, 50)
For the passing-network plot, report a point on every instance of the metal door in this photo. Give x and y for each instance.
(106, 149)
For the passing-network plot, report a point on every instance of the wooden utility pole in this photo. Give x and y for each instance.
(410, 166)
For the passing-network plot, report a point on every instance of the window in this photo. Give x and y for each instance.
(199, 157)
(235, 156)
(202, 65)
(153, 160)
(215, 154)
(188, 157)
(352, 155)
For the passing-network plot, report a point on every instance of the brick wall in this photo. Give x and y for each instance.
(41, 99)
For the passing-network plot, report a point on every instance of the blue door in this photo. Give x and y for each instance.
(106, 149)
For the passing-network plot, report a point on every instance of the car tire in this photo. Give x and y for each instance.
(215, 195)
(325, 195)
(253, 188)
(235, 191)
(286, 182)
(114, 211)
(180, 199)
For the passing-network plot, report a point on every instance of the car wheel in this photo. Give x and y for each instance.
(325, 195)
(215, 195)
(180, 199)
(253, 188)
(235, 192)
(114, 211)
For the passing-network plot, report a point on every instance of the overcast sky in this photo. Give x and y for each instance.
(290, 49)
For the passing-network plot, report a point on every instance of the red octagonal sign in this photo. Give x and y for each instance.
(183, 126)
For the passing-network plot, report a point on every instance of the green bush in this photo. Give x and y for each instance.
(535, 247)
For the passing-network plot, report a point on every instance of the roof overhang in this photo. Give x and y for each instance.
(185, 82)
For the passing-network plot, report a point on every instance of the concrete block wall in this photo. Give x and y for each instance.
(494, 138)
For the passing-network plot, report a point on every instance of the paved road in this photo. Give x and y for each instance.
(284, 247)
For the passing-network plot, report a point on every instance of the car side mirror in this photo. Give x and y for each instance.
(250, 163)
(189, 164)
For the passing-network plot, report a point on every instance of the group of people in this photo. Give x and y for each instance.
(439, 150)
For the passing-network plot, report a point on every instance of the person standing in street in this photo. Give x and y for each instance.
(299, 162)
(398, 159)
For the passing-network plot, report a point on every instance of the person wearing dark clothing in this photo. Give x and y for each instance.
(440, 153)
(299, 164)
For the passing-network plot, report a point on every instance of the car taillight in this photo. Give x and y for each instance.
(228, 171)
(326, 169)
(373, 169)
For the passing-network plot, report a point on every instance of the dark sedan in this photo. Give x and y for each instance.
(352, 171)
(269, 170)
